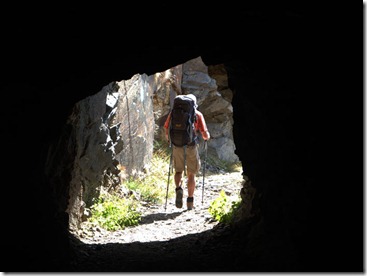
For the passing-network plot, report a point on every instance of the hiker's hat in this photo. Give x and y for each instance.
(192, 96)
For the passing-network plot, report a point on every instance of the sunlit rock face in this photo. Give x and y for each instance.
(215, 106)
(134, 115)
(214, 101)
(109, 137)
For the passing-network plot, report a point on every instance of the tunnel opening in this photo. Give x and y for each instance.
(143, 103)
(294, 148)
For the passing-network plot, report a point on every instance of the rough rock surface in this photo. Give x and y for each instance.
(164, 239)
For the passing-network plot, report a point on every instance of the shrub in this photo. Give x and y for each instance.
(114, 213)
(222, 208)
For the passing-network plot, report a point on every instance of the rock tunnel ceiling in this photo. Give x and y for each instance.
(276, 136)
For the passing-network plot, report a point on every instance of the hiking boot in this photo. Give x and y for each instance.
(179, 195)
(190, 203)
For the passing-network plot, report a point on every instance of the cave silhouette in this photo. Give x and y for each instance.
(286, 121)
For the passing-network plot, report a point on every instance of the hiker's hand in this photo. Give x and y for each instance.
(206, 135)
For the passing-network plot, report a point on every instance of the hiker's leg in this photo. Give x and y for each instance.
(178, 163)
(179, 190)
(178, 177)
(190, 184)
(193, 167)
(193, 164)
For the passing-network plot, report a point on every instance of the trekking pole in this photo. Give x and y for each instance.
(169, 173)
(205, 153)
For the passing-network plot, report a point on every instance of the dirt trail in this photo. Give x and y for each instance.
(160, 235)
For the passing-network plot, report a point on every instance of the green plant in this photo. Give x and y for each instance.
(113, 213)
(151, 189)
(222, 208)
(152, 186)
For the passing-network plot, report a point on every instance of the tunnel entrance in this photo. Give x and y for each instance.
(218, 183)
(292, 143)
(120, 130)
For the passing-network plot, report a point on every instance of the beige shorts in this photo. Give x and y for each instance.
(192, 159)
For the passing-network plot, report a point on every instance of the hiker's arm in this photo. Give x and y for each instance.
(167, 138)
(203, 128)
(166, 126)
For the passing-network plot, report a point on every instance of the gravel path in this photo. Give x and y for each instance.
(160, 235)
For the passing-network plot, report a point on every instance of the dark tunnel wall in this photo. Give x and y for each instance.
(285, 119)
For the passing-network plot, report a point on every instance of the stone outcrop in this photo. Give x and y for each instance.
(108, 139)
(214, 102)
(216, 109)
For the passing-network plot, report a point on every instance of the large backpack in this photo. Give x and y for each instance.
(182, 121)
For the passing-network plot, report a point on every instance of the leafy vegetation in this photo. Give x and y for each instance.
(152, 187)
(113, 213)
(223, 208)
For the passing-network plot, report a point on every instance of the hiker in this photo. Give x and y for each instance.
(188, 155)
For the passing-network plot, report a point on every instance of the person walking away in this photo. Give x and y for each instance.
(188, 155)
